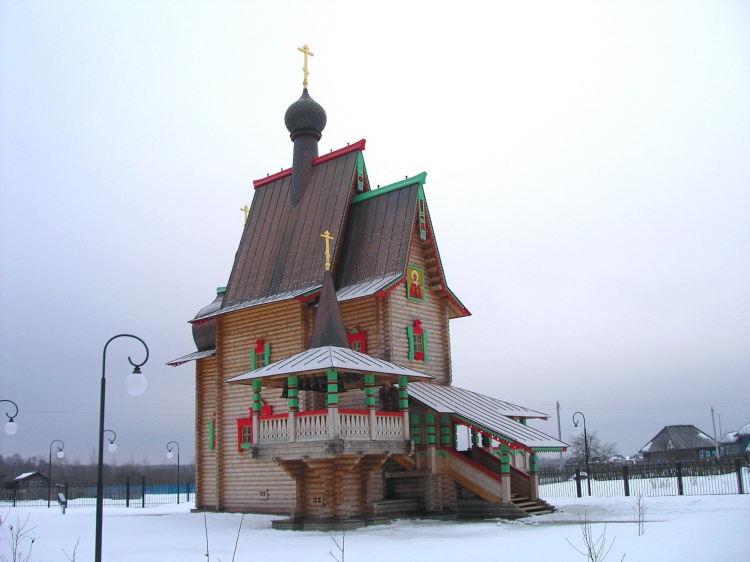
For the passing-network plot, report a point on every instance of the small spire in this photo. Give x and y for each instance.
(245, 210)
(305, 50)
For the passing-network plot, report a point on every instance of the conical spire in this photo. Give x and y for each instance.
(328, 326)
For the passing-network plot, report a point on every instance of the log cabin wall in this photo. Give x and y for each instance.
(433, 313)
(206, 456)
(259, 486)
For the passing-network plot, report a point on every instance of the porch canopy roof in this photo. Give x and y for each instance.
(486, 414)
(319, 360)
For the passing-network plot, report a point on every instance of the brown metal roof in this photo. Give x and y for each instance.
(281, 252)
(376, 242)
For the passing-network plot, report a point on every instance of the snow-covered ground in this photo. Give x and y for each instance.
(684, 528)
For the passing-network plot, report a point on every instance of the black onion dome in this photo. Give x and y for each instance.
(204, 333)
(305, 117)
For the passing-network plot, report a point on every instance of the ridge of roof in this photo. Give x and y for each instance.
(359, 145)
(419, 178)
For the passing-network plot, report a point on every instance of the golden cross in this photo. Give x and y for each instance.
(328, 238)
(305, 50)
(245, 210)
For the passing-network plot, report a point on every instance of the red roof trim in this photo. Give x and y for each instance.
(359, 145)
(273, 178)
(387, 290)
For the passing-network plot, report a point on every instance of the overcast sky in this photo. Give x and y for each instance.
(588, 178)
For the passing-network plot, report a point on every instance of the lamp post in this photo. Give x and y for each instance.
(59, 455)
(111, 447)
(585, 448)
(169, 456)
(11, 426)
(135, 384)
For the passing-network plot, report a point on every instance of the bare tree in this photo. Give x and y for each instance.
(639, 514)
(598, 451)
(595, 549)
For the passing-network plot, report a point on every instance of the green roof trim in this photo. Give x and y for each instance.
(419, 179)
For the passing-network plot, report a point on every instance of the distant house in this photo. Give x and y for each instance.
(30, 486)
(679, 443)
(736, 443)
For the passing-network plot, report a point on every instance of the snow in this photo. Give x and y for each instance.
(682, 528)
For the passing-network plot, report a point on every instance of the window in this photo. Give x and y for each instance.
(417, 341)
(357, 340)
(260, 355)
(244, 434)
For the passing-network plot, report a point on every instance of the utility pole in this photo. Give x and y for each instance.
(559, 434)
(713, 421)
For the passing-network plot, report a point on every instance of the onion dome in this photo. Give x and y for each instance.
(204, 332)
(305, 117)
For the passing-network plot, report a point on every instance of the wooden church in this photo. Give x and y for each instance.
(323, 371)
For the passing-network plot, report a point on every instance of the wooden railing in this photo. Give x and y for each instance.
(353, 425)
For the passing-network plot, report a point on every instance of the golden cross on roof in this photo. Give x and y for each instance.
(305, 50)
(245, 210)
(328, 238)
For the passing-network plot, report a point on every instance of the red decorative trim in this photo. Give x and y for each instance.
(311, 413)
(357, 335)
(243, 422)
(259, 347)
(359, 145)
(384, 292)
(272, 178)
(475, 464)
(274, 417)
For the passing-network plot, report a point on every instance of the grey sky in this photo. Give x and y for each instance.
(587, 175)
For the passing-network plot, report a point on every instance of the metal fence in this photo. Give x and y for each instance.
(717, 476)
(134, 492)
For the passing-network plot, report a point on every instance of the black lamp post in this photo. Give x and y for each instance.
(585, 448)
(111, 447)
(136, 384)
(60, 455)
(11, 426)
(169, 456)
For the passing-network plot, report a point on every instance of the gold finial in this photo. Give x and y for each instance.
(245, 210)
(328, 238)
(305, 50)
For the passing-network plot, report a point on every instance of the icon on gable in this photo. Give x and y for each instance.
(414, 283)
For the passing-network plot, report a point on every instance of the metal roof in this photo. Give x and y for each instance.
(192, 357)
(678, 437)
(486, 413)
(281, 252)
(330, 357)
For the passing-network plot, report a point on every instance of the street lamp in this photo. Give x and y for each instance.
(135, 384)
(169, 456)
(585, 448)
(11, 426)
(111, 447)
(59, 455)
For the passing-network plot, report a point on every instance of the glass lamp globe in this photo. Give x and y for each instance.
(11, 427)
(111, 447)
(170, 454)
(60, 454)
(136, 383)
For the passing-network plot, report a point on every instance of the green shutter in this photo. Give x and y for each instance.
(410, 335)
(424, 344)
(267, 353)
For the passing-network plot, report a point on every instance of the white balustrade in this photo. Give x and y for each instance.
(389, 427)
(354, 426)
(274, 429)
(312, 426)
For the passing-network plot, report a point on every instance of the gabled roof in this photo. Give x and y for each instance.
(377, 242)
(486, 414)
(280, 252)
(320, 359)
(678, 437)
